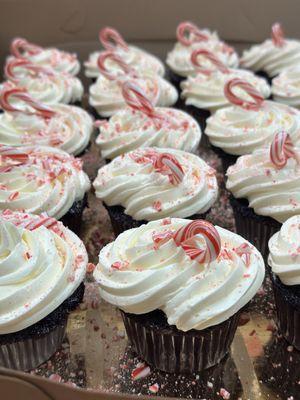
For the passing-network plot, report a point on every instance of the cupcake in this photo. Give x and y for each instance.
(105, 96)
(26, 121)
(59, 60)
(44, 84)
(138, 59)
(286, 87)
(43, 265)
(141, 124)
(189, 38)
(249, 124)
(265, 188)
(152, 183)
(180, 286)
(285, 263)
(40, 179)
(273, 55)
(204, 92)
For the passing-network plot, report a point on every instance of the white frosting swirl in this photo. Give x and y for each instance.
(179, 59)
(284, 258)
(238, 131)
(270, 58)
(128, 130)
(286, 87)
(270, 191)
(39, 270)
(138, 59)
(106, 96)
(50, 180)
(193, 295)
(207, 92)
(70, 129)
(58, 60)
(148, 195)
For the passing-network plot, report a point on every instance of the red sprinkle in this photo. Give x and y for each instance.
(157, 205)
(13, 196)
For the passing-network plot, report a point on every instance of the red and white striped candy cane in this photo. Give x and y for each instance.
(137, 99)
(249, 89)
(244, 250)
(14, 63)
(186, 237)
(21, 94)
(19, 46)
(110, 55)
(167, 164)
(209, 56)
(188, 33)
(277, 35)
(111, 39)
(282, 149)
(15, 154)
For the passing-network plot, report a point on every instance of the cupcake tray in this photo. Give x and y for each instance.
(96, 362)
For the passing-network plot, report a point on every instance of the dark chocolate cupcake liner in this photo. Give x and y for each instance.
(255, 228)
(288, 311)
(171, 350)
(72, 219)
(31, 352)
(122, 222)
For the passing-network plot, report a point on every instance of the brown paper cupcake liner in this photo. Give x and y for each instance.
(31, 352)
(171, 350)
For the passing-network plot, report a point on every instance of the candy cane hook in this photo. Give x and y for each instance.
(188, 33)
(111, 39)
(249, 89)
(282, 149)
(109, 55)
(209, 56)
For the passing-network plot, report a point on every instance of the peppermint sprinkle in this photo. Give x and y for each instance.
(13, 196)
(157, 205)
(141, 371)
(154, 388)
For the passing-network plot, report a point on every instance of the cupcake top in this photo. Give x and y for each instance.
(29, 122)
(249, 124)
(138, 59)
(198, 274)
(284, 252)
(206, 89)
(59, 60)
(190, 37)
(273, 55)
(40, 179)
(42, 263)
(269, 179)
(44, 84)
(143, 125)
(286, 87)
(105, 95)
(153, 183)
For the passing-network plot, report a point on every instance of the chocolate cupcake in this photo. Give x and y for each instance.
(58, 60)
(152, 183)
(204, 93)
(180, 286)
(138, 59)
(265, 190)
(189, 38)
(249, 124)
(105, 95)
(141, 124)
(40, 179)
(43, 265)
(273, 55)
(44, 84)
(26, 122)
(285, 263)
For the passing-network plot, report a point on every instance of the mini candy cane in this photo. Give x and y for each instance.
(111, 39)
(14, 154)
(209, 56)
(167, 164)
(109, 55)
(282, 149)
(19, 46)
(137, 99)
(21, 62)
(188, 33)
(8, 92)
(186, 238)
(277, 35)
(244, 250)
(249, 89)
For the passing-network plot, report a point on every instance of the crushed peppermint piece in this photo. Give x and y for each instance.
(224, 394)
(154, 388)
(141, 371)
